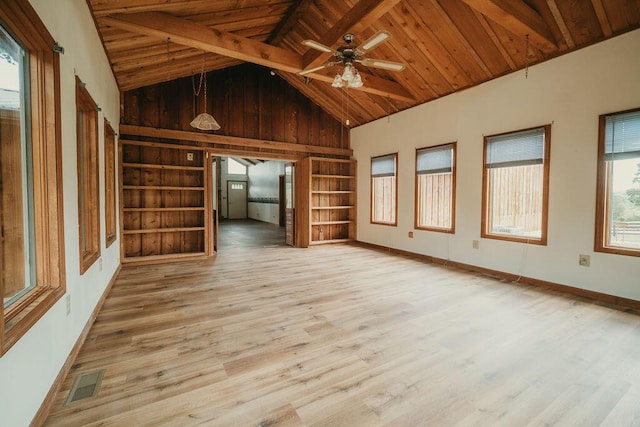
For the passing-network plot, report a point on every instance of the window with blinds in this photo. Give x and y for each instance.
(618, 192)
(515, 189)
(435, 188)
(384, 189)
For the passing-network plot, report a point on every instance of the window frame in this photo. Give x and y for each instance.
(452, 229)
(88, 177)
(110, 220)
(484, 233)
(395, 201)
(603, 193)
(19, 17)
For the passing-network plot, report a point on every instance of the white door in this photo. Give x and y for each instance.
(237, 199)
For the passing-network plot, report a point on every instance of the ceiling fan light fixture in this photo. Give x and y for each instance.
(348, 74)
(337, 81)
(374, 41)
(356, 82)
(316, 45)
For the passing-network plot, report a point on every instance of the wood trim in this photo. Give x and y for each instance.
(41, 416)
(371, 221)
(233, 141)
(88, 174)
(612, 301)
(603, 195)
(545, 192)
(46, 137)
(452, 229)
(110, 221)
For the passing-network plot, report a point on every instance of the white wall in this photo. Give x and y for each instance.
(29, 368)
(264, 184)
(570, 92)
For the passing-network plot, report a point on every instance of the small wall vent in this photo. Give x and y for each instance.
(85, 387)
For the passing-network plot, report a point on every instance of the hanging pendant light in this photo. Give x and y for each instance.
(203, 121)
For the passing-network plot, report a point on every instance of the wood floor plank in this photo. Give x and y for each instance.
(344, 335)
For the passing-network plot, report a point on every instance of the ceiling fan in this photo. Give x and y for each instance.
(349, 54)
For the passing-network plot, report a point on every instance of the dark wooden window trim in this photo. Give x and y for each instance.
(603, 195)
(44, 69)
(110, 184)
(452, 229)
(88, 178)
(545, 192)
(389, 224)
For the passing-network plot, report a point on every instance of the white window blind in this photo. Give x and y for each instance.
(516, 149)
(383, 166)
(622, 135)
(435, 160)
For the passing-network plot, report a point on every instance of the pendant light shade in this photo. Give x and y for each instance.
(205, 121)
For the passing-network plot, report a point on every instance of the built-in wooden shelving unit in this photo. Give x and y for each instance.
(332, 206)
(163, 202)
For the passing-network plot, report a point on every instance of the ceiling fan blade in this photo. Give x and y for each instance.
(314, 69)
(382, 64)
(374, 41)
(317, 46)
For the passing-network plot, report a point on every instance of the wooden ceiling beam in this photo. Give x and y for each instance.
(189, 33)
(517, 17)
(293, 17)
(562, 25)
(372, 84)
(602, 17)
(232, 141)
(363, 14)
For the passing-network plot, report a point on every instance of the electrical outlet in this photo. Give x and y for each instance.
(68, 301)
(411, 234)
(584, 260)
(100, 264)
(475, 244)
(190, 157)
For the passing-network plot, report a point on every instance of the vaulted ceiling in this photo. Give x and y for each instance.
(447, 45)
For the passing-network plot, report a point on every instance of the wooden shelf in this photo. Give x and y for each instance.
(331, 200)
(152, 259)
(163, 230)
(165, 167)
(332, 192)
(331, 222)
(333, 176)
(329, 208)
(164, 202)
(161, 187)
(180, 209)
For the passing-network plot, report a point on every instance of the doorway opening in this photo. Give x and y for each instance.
(250, 202)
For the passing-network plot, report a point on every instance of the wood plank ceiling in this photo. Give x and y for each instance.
(447, 45)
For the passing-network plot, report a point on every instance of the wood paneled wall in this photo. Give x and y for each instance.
(246, 100)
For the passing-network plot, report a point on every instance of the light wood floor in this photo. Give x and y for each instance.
(342, 335)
